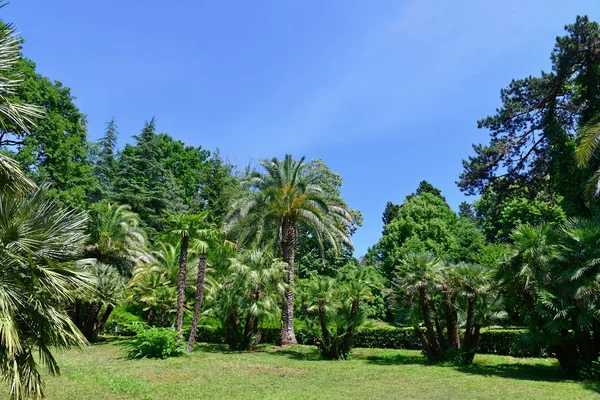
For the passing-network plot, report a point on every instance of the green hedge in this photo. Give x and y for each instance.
(510, 342)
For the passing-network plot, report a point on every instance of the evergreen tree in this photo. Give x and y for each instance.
(143, 182)
(533, 134)
(105, 162)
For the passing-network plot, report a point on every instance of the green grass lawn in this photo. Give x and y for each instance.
(102, 372)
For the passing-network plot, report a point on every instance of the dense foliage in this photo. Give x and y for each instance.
(159, 238)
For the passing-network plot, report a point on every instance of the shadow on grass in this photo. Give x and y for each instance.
(529, 372)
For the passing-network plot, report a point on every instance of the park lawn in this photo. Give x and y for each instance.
(102, 372)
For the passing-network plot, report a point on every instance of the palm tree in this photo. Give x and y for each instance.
(418, 275)
(472, 282)
(248, 296)
(41, 267)
(289, 193)
(207, 238)
(117, 238)
(184, 227)
(589, 139)
(107, 290)
(556, 271)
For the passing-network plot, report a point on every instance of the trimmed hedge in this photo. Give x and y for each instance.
(508, 342)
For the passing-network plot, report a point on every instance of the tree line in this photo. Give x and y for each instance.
(163, 235)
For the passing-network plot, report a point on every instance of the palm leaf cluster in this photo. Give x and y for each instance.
(276, 202)
(41, 267)
(443, 297)
(333, 311)
(289, 191)
(249, 295)
(556, 270)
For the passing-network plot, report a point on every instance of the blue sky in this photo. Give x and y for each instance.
(387, 93)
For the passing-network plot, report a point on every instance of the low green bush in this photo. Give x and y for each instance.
(509, 342)
(156, 343)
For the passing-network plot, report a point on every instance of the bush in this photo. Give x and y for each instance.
(156, 343)
(123, 323)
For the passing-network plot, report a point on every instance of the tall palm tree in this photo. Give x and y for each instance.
(207, 238)
(154, 284)
(40, 269)
(286, 194)
(184, 227)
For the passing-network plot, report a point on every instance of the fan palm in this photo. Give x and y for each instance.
(248, 296)
(471, 281)
(286, 194)
(107, 290)
(41, 267)
(557, 271)
(184, 227)
(13, 115)
(207, 238)
(117, 238)
(589, 139)
(417, 276)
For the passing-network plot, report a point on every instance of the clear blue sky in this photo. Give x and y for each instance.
(387, 93)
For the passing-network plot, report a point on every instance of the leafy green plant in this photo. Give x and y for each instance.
(333, 313)
(156, 343)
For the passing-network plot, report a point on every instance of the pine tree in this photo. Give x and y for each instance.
(143, 182)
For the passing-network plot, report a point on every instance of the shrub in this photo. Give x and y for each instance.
(156, 343)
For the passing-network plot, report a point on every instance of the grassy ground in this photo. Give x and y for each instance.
(102, 372)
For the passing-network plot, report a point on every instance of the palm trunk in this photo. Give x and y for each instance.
(470, 322)
(438, 328)
(451, 320)
(183, 255)
(90, 321)
(150, 318)
(470, 355)
(436, 349)
(163, 315)
(424, 343)
(349, 336)
(198, 302)
(288, 245)
(324, 331)
(104, 318)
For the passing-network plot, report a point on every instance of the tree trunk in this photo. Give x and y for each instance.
(438, 328)
(596, 341)
(104, 318)
(470, 355)
(288, 246)
(425, 343)
(163, 315)
(566, 353)
(451, 320)
(436, 350)
(198, 302)
(150, 316)
(183, 255)
(90, 321)
(349, 336)
(470, 322)
(324, 331)
(586, 347)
